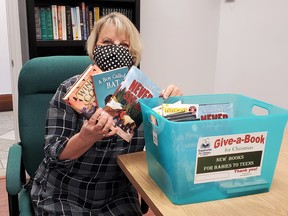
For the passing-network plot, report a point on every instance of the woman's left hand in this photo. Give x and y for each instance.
(171, 90)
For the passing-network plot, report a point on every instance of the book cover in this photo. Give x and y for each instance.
(215, 111)
(168, 109)
(106, 83)
(123, 105)
(81, 96)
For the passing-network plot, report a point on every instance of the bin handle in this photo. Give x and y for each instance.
(153, 119)
(260, 108)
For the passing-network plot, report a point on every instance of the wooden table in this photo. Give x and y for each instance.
(273, 203)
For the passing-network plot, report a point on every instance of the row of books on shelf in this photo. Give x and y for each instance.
(64, 22)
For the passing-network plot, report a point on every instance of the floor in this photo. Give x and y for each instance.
(7, 138)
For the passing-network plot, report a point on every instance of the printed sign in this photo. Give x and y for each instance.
(229, 157)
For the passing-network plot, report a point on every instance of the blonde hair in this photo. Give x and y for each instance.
(122, 24)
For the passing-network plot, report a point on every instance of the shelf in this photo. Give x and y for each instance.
(60, 43)
(39, 48)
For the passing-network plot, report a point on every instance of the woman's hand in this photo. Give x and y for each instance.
(171, 90)
(100, 125)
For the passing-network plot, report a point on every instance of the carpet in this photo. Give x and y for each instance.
(3, 198)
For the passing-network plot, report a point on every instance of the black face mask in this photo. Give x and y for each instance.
(112, 56)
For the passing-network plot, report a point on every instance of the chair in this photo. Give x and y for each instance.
(38, 81)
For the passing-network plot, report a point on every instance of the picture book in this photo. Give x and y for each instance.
(106, 83)
(192, 112)
(123, 105)
(168, 109)
(81, 96)
(215, 111)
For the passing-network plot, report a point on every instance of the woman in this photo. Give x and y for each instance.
(79, 174)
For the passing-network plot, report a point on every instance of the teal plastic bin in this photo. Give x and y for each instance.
(197, 161)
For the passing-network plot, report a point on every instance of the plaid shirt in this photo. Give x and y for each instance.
(92, 184)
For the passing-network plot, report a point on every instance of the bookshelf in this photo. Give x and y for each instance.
(48, 47)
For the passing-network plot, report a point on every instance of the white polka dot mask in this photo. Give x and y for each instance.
(114, 56)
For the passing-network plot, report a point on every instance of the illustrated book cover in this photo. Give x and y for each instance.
(81, 96)
(123, 105)
(106, 83)
(215, 111)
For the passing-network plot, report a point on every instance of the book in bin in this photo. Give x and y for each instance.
(105, 84)
(81, 96)
(123, 105)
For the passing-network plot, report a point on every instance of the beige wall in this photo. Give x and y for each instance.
(180, 43)
(253, 50)
(5, 81)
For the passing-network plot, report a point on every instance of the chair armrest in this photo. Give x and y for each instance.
(13, 170)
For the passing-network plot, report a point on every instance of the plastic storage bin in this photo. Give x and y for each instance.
(197, 161)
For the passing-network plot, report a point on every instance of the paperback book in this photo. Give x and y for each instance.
(215, 111)
(192, 112)
(123, 105)
(105, 84)
(81, 96)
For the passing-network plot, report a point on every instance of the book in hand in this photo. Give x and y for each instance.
(106, 83)
(81, 96)
(123, 105)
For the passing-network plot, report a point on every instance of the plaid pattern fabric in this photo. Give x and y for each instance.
(92, 184)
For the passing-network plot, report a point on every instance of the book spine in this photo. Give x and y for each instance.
(55, 22)
(96, 14)
(49, 23)
(69, 23)
(64, 24)
(87, 21)
(83, 21)
(91, 22)
(59, 20)
(74, 25)
(37, 23)
(78, 23)
(43, 23)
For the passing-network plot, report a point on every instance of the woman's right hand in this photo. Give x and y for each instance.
(100, 125)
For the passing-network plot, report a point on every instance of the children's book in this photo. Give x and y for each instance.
(106, 83)
(168, 109)
(81, 96)
(123, 105)
(215, 111)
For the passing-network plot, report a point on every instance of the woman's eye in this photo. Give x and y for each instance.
(107, 42)
(125, 45)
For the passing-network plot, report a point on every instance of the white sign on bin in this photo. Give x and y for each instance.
(229, 157)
